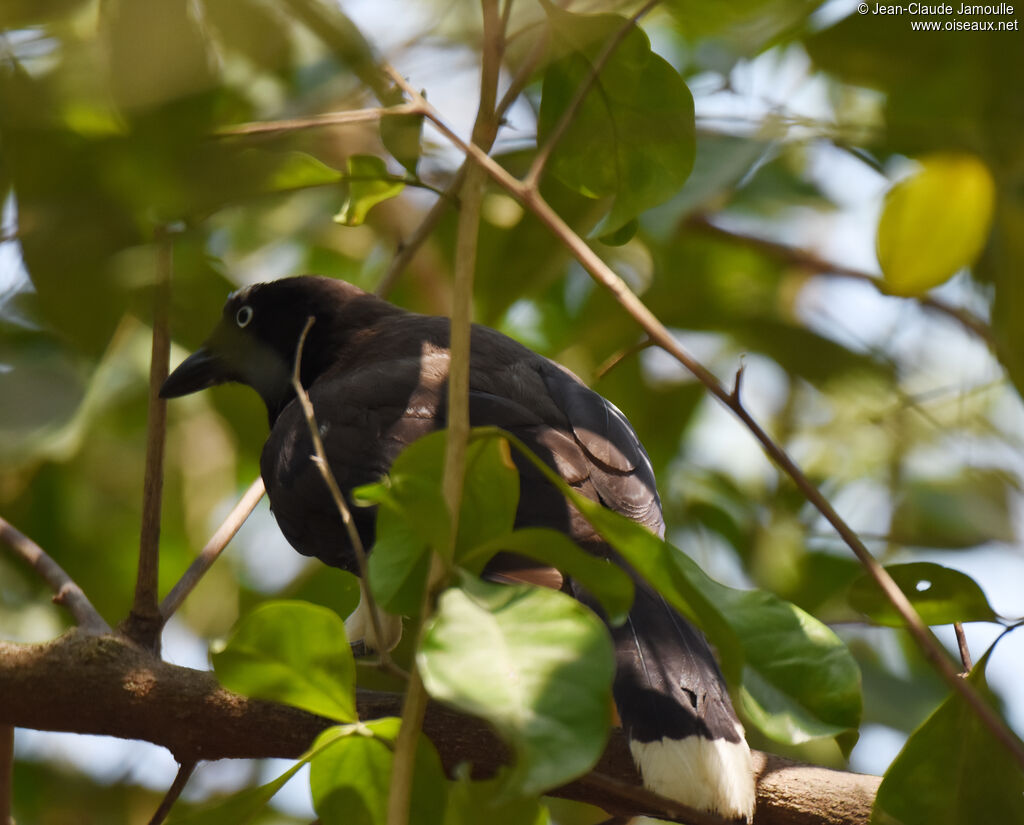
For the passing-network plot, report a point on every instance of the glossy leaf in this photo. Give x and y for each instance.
(535, 663)
(350, 778)
(633, 136)
(935, 223)
(412, 516)
(298, 170)
(940, 594)
(952, 770)
(798, 679)
(292, 652)
(367, 182)
(602, 578)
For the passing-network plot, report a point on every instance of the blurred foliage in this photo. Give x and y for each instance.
(123, 123)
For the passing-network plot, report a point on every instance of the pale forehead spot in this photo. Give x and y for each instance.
(241, 294)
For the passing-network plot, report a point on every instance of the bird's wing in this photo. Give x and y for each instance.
(365, 417)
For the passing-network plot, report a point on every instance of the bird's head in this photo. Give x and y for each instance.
(257, 337)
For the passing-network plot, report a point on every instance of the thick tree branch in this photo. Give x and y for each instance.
(110, 686)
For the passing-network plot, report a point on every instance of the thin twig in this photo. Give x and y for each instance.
(617, 358)
(410, 246)
(185, 771)
(210, 553)
(603, 274)
(965, 651)
(737, 384)
(143, 623)
(532, 178)
(460, 329)
(66, 592)
(805, 260)
(320, 460)
(319, 121)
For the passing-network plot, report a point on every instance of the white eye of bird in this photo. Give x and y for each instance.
(243, 316)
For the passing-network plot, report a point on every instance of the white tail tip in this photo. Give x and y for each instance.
(708, 774)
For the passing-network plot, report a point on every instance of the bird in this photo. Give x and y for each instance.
(376, 375)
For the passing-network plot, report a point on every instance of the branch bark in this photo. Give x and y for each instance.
(110, 686)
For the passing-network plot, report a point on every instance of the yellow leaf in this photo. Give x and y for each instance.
(935, 222)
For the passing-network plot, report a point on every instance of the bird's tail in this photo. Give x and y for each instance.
(683, 732)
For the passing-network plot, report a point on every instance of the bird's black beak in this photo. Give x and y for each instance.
(203, 368)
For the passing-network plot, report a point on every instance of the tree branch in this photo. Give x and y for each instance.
(802, 259)
(211, 552)
(270, 127)
(107, 685)
(144, 623)
(531, 198)
(65, 592)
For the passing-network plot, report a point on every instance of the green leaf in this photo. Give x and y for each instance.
(935, 222)
(244, 806)
(350, 779)
(952, 770)
(298, 170)
(401, 137)
(633, 137)
(954, 513)
(412, 515)
(941, 595)
(368, 182)
(292, 652)
(604, 579)
(798, 679)
(470, 803)
(534, 663)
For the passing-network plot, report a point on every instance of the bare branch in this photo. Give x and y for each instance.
(211, 552)
(185, 771)
(66, 592)
(106, 685)
(617, 358)
(805, 260)
(269, 127)
(144, 623)
(408, 248)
